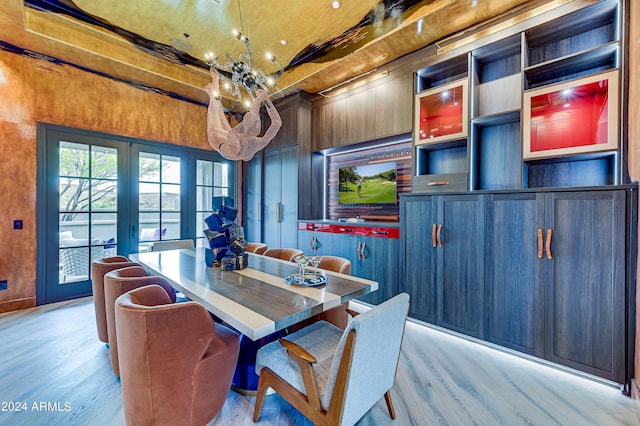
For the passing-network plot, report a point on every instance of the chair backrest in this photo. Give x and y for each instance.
(118, 282)
(171, 245)
(372, 370)
(283, 253)
(99, 268)
(335, 264)
(256, 248)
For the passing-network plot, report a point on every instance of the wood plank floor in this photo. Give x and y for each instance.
(51, 355)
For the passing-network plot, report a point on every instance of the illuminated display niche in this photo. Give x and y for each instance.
(575, 117)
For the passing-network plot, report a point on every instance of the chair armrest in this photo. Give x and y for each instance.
(298, 351)
(352, 312)
(305, 360)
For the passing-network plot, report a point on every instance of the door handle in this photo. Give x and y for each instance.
(548, 244)
(259, 212)
(278, 212)
(364, 246)
(539, 243)
(133, 232)
(438, 235)
(433, 235)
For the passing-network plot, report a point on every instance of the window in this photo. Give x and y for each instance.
(212, 180)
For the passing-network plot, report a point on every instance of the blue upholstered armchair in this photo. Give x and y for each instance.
(332, 376)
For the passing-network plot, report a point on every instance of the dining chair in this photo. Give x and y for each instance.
(283, 253)
(176, 365)
(332, 376)
(118, 282)
(171, 245)
(256, 248)
(98, 269)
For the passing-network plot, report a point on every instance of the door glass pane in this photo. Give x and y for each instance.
(170, 169)
(149, 197)
(149, 167)
(87, 208)
(170, 197)
(159, 198)
(212, 180)
(204, 174)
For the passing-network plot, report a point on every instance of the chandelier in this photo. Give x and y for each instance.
(240, 75)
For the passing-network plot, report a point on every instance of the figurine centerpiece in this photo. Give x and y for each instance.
(226, 238)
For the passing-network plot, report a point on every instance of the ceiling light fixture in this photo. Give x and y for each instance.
(336, 5)
(244, 76)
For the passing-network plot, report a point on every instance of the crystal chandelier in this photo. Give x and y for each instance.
(240, 75)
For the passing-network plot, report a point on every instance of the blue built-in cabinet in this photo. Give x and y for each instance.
(373, 251)
(547, 273)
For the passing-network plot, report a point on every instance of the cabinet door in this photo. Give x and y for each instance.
(288, 197)
(417, 255)
(272, 190)
(280, 225)
(253, 199)
(587, 281)
(379, 262)
(514, 289)
(460, 263)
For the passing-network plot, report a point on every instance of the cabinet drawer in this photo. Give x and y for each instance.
(445, 182)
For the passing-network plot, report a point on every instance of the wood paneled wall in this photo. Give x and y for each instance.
(33, 90)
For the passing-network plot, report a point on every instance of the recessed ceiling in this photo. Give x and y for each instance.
(324, 45)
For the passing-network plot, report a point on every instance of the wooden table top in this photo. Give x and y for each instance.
(255, 301)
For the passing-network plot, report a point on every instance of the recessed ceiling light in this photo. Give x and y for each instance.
(283, 42)
(336, 4)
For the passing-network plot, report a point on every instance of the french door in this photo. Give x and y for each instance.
(102, 195)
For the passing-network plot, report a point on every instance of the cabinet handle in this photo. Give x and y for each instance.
(364, 246)
(312, 244)
(433, 235)
(548, 244)
(539, 243)
(359, 254)
(259, 212)
(438, 183)
(438, 235)
(277, 212)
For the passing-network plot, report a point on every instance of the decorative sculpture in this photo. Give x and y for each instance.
(242, 141)
(226, 239)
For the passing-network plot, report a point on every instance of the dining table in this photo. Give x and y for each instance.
(259, 302)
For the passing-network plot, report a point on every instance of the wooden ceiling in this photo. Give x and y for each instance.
(162, 44)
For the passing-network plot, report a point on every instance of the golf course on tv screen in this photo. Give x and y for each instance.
(368, 184)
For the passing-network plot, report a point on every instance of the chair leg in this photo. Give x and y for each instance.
(387, 398)
(262, 390)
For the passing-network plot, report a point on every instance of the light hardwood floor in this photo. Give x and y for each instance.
(51, 355)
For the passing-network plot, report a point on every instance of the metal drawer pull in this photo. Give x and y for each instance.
(433, 235)
(539, 243)
(438, 183)
(548, 244)
(438, 235)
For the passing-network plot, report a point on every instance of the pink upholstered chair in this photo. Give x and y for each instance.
(256, 248)
(283, 253)
(176, 365)
(98, 269)
(118, 282)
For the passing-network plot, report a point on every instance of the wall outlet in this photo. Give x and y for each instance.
(3, 285)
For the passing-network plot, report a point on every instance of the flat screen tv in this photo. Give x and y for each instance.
(369, 183)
